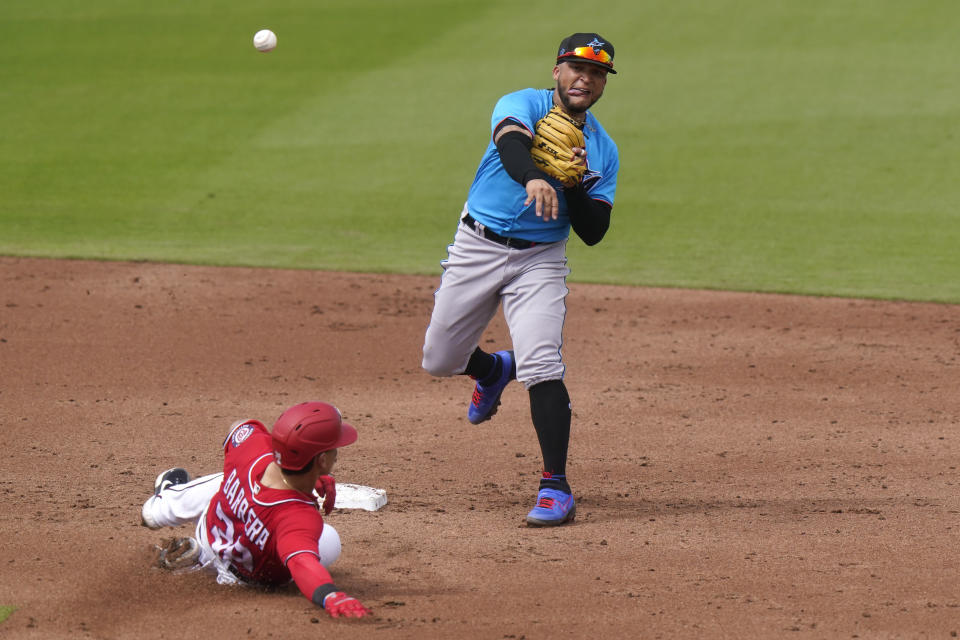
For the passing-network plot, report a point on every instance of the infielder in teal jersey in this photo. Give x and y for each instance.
(510, 249)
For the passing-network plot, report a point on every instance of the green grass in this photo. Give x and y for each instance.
(765, 145)
(5, 612)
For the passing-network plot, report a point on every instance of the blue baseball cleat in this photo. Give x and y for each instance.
(554, 507)
(486, 398)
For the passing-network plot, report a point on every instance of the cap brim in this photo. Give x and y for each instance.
(588, 61)
(348, 435)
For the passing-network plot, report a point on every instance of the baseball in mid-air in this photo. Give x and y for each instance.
(265, 40)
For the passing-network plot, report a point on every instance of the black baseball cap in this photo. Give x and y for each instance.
(587, 47)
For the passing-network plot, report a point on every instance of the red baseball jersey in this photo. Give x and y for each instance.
(255, 528)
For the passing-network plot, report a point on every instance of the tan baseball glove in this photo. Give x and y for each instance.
(178, 553)
(556, 136)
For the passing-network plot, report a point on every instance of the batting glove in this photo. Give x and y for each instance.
(327, 489)
(340, 605)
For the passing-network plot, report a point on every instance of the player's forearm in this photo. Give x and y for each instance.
(313, 580)
(589, 218)
(315, 583)
(514, 150)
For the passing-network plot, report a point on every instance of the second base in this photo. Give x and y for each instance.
(358, 496)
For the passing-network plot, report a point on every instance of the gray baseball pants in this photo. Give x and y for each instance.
(478, 276)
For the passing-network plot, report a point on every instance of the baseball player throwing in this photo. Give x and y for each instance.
(259, 521)
(549, 166)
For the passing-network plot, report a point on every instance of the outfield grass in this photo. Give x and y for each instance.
(803, 147)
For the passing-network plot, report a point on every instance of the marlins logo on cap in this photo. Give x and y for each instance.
(591, 48)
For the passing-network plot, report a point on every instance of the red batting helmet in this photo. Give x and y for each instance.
(304, 430)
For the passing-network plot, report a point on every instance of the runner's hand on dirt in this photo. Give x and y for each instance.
(340, 605)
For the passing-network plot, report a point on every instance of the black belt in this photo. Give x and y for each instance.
(236, 573)
(513, 243)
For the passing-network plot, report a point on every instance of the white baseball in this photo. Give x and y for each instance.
(265, 40)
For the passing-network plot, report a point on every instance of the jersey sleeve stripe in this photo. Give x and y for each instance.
(296, 553)
(507, 122)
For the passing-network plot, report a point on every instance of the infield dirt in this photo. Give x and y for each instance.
(745, 466)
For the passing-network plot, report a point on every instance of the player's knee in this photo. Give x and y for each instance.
(328, 546)
(437, 365)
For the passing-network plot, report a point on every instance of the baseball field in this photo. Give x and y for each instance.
(762, 355)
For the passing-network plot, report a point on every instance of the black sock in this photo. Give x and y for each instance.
(550, 411)
(481, 365)
(550, 481)
(487, 368)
